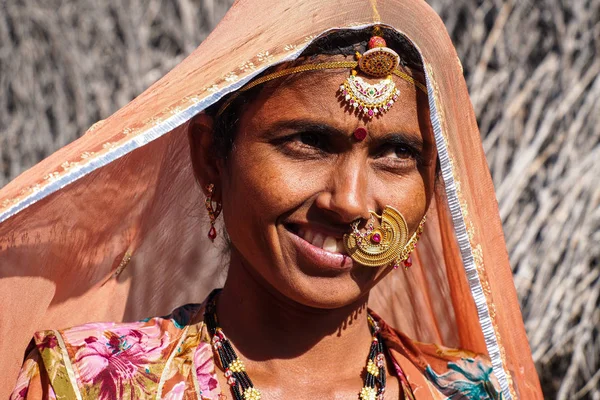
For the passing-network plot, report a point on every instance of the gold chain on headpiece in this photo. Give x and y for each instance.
(311, 67)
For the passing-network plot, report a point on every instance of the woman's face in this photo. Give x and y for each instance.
(296, 178)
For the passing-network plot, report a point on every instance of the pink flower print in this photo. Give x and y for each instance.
(176, 392)
(22, 395)
(78, 335)
(28, 372)
(117, 362)
(205, 371)
(20, 391)
(49, 342)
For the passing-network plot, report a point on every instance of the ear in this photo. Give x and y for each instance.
(204, 160)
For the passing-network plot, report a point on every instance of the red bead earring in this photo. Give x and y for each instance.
(213, 213)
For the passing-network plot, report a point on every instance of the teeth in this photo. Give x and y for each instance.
(339, 247)
(330, 244)
(308, 236)
(318, 240)
(327, 243)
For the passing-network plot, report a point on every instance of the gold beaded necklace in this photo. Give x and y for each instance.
(240, 383)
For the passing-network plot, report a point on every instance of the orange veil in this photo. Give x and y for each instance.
(111, 227)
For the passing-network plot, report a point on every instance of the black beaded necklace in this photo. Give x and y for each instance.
(241, 385)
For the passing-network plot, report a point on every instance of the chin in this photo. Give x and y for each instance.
(316, 275)
(311, 286)
(327, 293)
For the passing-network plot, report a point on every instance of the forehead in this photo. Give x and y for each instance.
(315, 96)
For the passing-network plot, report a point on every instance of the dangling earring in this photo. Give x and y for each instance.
(213, 213)
(406, 256)
(387, 244)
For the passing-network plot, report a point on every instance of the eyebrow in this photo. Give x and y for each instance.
(400, 139)
(304, 125)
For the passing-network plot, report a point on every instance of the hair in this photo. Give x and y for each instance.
(339, 42)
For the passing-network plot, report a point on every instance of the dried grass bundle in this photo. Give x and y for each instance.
(533, 70)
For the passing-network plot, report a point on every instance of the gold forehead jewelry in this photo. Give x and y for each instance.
(317, 67)
(372, 99)
(387, 244)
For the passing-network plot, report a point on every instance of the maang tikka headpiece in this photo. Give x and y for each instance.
(371, 99)
(366, 99)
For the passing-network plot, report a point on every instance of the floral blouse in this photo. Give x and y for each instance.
(171, 358)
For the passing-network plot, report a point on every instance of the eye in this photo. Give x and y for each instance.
(401, 152)
(303, 145)
(310, 139)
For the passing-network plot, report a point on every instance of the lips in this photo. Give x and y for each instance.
(319, 250)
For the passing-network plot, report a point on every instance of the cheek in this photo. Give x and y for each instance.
(258, 189)
(409, 195)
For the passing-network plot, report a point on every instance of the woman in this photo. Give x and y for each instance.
(326, 144)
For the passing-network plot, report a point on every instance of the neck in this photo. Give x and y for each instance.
(272, 332)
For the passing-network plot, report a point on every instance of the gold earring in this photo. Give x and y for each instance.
(389, 243)
(213, 213)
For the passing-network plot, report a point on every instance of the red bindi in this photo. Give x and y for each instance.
(360, 134)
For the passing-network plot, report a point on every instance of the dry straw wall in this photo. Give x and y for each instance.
(533, 71)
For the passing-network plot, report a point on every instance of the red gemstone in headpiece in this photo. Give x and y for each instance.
(377, 41)
(360, 134)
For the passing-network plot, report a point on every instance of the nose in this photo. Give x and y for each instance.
(347, 193)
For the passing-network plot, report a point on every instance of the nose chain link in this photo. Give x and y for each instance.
(360, 236)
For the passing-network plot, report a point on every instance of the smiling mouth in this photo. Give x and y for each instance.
(318, 239)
